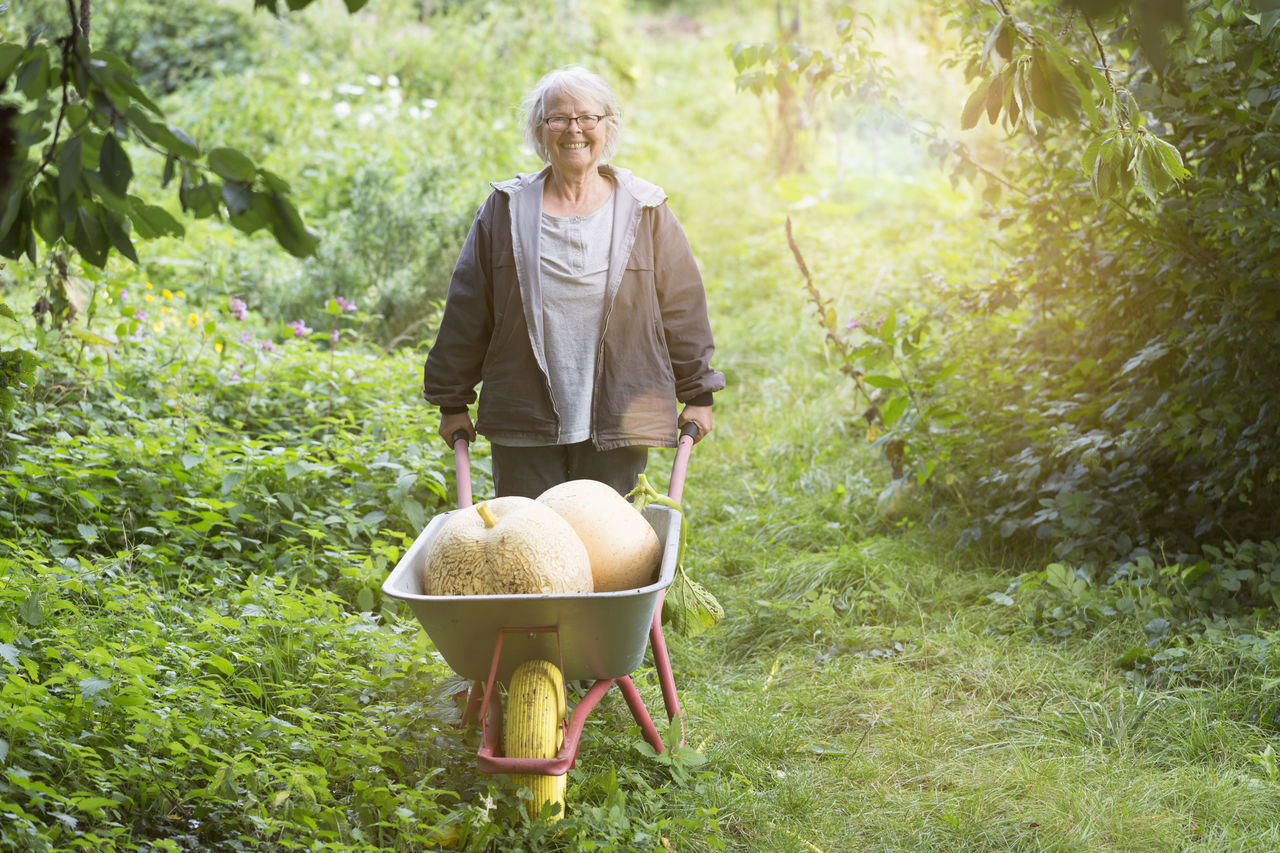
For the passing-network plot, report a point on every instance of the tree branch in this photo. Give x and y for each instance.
(84, 18)
(1102, 55)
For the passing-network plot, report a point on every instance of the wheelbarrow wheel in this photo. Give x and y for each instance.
(534, 729)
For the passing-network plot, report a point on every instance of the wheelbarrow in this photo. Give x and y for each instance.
(534, 644)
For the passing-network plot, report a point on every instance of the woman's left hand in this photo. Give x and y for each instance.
(700, 415)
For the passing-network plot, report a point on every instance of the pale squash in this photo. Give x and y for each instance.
(506, 546)
(623, 548)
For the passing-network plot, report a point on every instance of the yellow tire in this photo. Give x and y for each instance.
(535, 713)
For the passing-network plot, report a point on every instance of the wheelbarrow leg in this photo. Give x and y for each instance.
(662, 663)
(474, 699)
(638, 710)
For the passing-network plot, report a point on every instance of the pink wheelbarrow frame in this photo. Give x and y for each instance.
(598, 637)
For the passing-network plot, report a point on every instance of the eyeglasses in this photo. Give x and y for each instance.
(559, 123)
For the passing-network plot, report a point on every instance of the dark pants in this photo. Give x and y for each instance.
(530, 471)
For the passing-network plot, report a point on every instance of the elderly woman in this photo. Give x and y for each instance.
(577, 305)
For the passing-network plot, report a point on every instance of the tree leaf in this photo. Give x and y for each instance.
(10, 56)
(258, 214)
(46, 217)
(994, 37)
(69, 164)
(289, 230)
(995, 98)
(33, 77)
(232, 165)
(274, 181)
(88, 237)
(196, 195)
(13, 205)
(1170, 159)
(117, 232)
(974, 106)
(175, 141)
(1140, 167)
(238, 196)
(151, 221)
(119, 79)
(114, 165)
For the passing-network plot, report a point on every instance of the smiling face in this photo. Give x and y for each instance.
(573, 152)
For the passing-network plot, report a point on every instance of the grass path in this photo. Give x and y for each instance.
(861, 694)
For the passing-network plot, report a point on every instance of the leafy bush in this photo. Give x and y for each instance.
(392, 244)
(238, 714)
(1114, 375)
(391, 147)
(168, 46)
(293, 422)
(1130, 440)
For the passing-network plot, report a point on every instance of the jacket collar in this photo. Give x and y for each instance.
(645, 193)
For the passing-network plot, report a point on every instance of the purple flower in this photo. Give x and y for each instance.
(238, 308)
(124, 294)
(300, 328)
(139, 314)
(333, 336)
(246, 337)
(853, 323)
(268, 346)
(234, 376)
(346, 304)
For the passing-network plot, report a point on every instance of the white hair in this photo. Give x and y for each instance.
(578, 83)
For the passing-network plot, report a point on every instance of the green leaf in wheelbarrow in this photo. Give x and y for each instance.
(688, 607)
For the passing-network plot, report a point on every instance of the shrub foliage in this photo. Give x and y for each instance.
(1108, 391)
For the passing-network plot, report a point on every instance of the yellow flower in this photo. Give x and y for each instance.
(217, 347)
(181, 295)
(192, 319)
(148, 285)
(150, 298)
(158, 326)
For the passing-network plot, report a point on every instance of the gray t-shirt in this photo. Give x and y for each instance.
(574, 267)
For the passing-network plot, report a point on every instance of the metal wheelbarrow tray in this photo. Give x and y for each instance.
(593, 636)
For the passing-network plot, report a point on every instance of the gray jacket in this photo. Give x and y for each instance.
(655, 345)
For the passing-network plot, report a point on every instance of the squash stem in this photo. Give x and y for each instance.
(487, 514)
(644, 494)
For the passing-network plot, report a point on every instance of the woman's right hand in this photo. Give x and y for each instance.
(449, 424)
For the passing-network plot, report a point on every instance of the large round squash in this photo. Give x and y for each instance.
(623, 548)
(506, 546)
